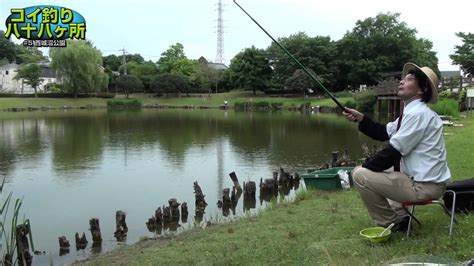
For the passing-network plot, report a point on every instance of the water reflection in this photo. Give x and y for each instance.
(93, 163)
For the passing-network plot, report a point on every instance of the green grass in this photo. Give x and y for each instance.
(52, 102)
(318, 228)
(214, 100)
(448, 107)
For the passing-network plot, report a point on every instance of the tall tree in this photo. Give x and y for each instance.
(112, 62)
(316, 53)
(31, 74)
(25, 55)
(79, 66)
(173, 60)
(381, 45)
(464, 54)
(199, 78)
(169, 82)
(129, 84)
(7, 50)
(145, 71)
(300, 81)
(251, 69)
(13, 53)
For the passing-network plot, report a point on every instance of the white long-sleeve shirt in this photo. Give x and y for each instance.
(420, 142)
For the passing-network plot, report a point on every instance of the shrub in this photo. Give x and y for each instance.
(446, 107)
(124, 104)
(341, 94)
(448, 95)
(262, 105)
(365, 101)
(276, 105)
(350, 103)
(54, 87)
(462, 96)
(239, 105)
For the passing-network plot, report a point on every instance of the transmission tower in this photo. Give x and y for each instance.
(220, 34)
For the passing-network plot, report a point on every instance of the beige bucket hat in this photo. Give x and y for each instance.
(430, 74)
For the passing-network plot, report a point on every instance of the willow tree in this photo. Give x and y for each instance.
(79, 67)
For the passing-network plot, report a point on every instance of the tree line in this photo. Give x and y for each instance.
(377, 47)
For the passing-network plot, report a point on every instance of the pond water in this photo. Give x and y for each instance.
(71, 166)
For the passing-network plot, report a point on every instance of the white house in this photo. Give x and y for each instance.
(9, 85)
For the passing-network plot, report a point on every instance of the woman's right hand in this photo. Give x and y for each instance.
(353, 115)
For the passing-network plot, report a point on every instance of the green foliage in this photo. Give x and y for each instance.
(129, 84)
(26, 55)
(262, 105)
(12, 53)
(200, 77)
(464, 54)
(53, 87)
(207, 78)
(146, 72)
(112, 62)
(365, 101)
(174, 60)
(239, 105)
(31, 74)
(350, 104)
(462, 97)
(259, 105)
(169, 82)
(448, 95)
(7, 49)
(381, 45)
(448, 107)
(250, 69)
(316, 53)
(124, 104)
(79, 66)
(300, 82)
(341, 94)
(276, 105)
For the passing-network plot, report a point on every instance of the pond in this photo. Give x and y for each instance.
(71, 166)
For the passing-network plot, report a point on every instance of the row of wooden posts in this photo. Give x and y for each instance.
(167, 217)
(81, 240)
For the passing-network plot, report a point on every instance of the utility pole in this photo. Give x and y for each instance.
(124, 60)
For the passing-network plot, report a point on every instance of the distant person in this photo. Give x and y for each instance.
(415, 144)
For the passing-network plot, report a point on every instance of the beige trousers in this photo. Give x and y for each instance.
(381, 192)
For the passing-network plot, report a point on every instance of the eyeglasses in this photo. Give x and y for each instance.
(409, 79)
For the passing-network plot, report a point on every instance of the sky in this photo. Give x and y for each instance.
(149, 27)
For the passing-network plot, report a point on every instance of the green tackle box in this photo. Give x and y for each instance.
(326, 179)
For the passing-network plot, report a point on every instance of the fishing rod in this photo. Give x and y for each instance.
(296, 61)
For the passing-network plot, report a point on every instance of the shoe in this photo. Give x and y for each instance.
(401, 225)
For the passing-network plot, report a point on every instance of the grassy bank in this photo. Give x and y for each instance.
(318, 228)
(213, 101)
